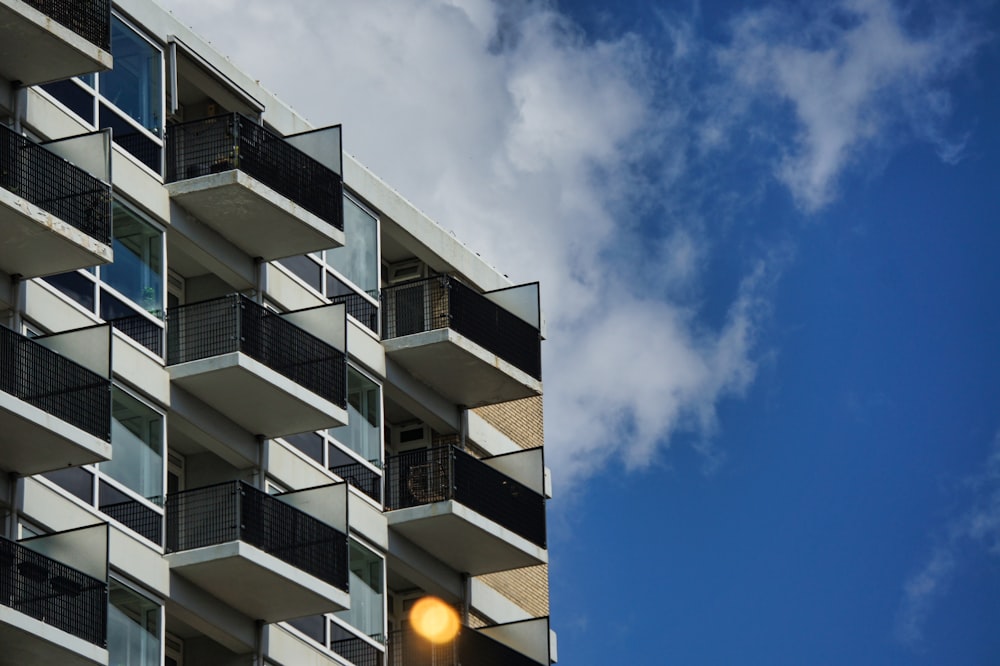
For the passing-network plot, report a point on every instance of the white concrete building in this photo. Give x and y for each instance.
(253, 404)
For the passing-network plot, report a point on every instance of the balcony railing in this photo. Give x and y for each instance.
(48, 181)
(406, 648)
(54, 593)
(138, 517)
(425, 476)
(222, 143)
(91, 19)
(143, 330)
(235, 510)
(361, 477)
(54, 384)
(444, 302)
(360, 308)
(235, 323)
(358, 651)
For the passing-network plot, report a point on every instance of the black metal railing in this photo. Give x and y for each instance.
(358, 651)
(360, 308)
(143, 330)
(91, 19)
(48, 181)
(444, 302)
(235, 510)
(361, 477)
(53, 592)
(424, 476)
(138, 517)
(406, 648)
(233, 141)
(236, 323)
(55, 384)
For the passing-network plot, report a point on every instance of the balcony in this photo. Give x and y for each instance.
(46, 40)
(252, 186)
(471, 516)
(56, 217)
(50, 613)
(513, 644)
(257, 552)
(266, 373)
(463, 344)
(54, 412)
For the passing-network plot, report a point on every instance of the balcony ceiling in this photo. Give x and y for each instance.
(463, 539)
(36, 243)
(254, 217)
(256, 584)
(460, 370)
(254, 396)
(33, 441)
(30, 642)
(35, 49)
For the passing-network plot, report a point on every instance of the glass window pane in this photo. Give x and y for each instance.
(133, 628)
(136, 445)
(76, 480)
(363, 432)
(78, 100)
(135, 84)
(134, 140)
(367, 602)
(75, 285)
(137, 272)
(305, 268)
(357, 260)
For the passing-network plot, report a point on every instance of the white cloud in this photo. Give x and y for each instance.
(542, 148)
(849, 72)
(975, 528)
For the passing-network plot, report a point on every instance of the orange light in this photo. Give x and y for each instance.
(434, 620)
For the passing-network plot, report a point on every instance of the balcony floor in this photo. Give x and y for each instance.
(33, 441)
(35, 49)
(36, 243)
(30, 642)
(253, 217)
(257, 584)
(459, 369)
(463, 539)
(254, 396)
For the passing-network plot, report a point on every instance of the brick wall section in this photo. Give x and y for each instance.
(528, 587)
(521, 420)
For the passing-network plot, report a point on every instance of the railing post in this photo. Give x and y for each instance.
(452, 481)
(240, 494)
(236, 140)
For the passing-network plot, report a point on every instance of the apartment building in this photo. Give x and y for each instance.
(253, 404)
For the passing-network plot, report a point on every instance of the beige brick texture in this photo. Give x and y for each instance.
(521, 420)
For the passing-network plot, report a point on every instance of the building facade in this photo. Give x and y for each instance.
(253, 404)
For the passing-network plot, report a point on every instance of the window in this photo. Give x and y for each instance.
(134, 628)
(348, 274)
(130, 290)
(367, 611)
(129, 98)
(352, 452)
(129, 487)
(363, 432)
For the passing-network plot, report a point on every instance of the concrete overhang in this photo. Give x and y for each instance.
(459, 369)
(30, 642)
(36, 49)
(254, 217)
(463, 539)
(37, 243)
(255, 397)
(257, 584)
(34, 441)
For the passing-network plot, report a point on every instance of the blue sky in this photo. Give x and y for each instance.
(765, 236)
